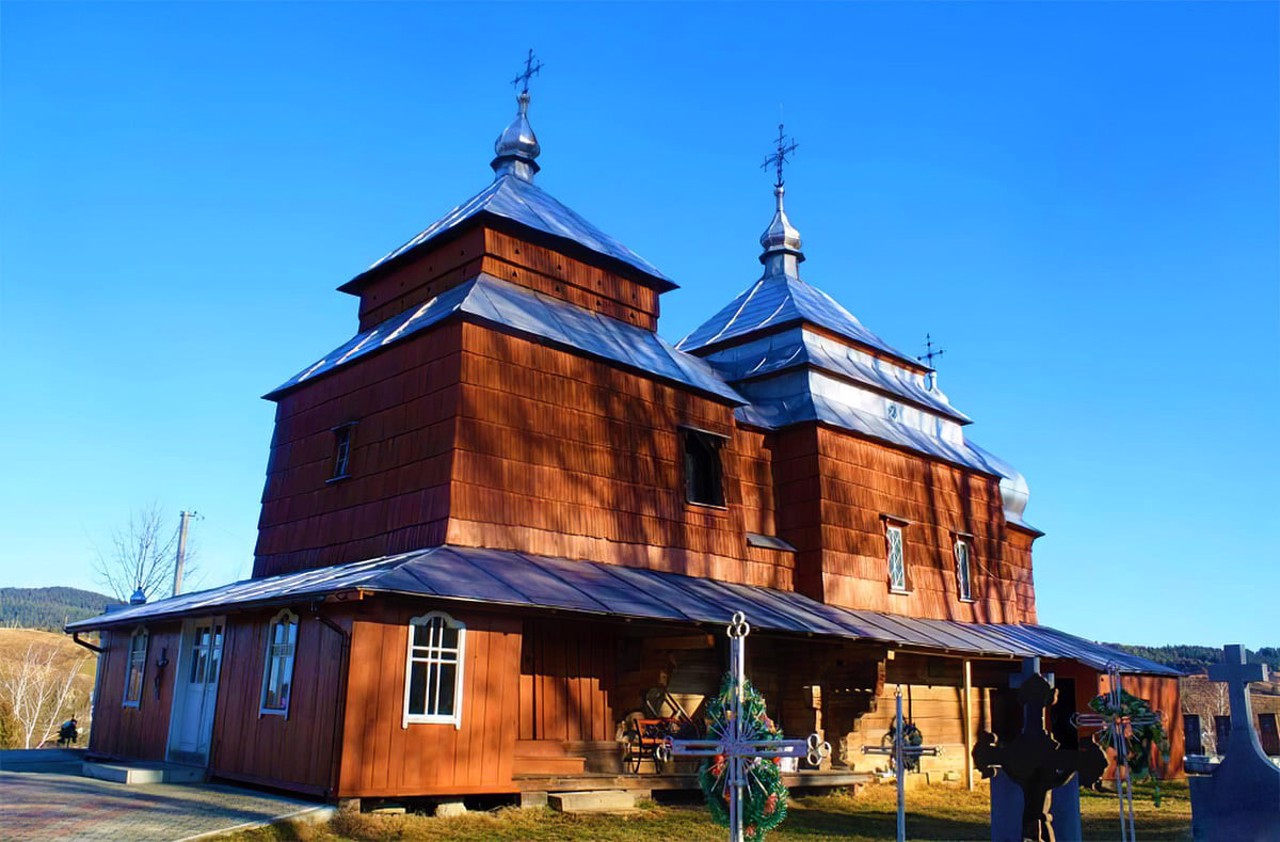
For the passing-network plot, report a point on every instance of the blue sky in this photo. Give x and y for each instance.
(1078, 200)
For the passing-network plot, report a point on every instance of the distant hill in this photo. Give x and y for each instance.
(48, 608)
(1197, 659)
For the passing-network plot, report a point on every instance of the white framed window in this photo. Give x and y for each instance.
(433, 672)
(896, 554)
(277, 671)
(964, 578)
(136, 668)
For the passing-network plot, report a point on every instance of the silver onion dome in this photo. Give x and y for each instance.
(517, 149)
(781, 241)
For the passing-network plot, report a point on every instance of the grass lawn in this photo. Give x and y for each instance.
(938, 812)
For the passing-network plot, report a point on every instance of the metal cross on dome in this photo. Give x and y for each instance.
(530, 70)
(779, 157)
(1119, 725)
(900, 752)
(734, 746)
(929, 354)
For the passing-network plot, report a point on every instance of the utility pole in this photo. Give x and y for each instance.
(181, 558)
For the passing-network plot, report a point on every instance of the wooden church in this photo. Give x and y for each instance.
(506, 520)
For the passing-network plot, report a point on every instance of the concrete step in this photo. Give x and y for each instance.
(593, 801)
(143, 773)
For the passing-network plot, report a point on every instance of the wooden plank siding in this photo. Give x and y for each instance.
(840, 487)
(382, 758)
(561, 455)
(404, 402)
(140, 733)
(485, 249)
(293, 752)
(568, 682)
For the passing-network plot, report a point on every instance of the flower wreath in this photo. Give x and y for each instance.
(1139, 739)
(764, 798)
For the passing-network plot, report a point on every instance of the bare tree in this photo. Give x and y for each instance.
(38, 692)
(142, 555)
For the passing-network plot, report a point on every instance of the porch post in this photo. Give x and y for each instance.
(968, 725)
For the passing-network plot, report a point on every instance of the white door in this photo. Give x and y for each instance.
(196, 691)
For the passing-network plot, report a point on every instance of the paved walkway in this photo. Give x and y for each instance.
(43, 798)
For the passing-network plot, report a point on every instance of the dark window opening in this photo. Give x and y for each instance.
(703, 475)
(341, 451)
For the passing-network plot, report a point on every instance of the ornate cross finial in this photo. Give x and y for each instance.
(530, 70)
(778, 158)
(929, 354)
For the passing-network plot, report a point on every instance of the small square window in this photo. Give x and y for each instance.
(703, 473)
(341, 450)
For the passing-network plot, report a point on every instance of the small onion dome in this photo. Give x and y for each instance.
(517, 147)
(781, 241)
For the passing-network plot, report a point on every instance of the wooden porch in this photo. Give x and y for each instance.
(677, 781)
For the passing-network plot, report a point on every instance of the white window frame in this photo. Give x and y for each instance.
(890, 530)
(436, 655)
(964, 573)
(284, 617)
(138, 657)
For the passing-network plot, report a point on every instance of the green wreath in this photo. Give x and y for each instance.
(1140, 738)
(764, 798)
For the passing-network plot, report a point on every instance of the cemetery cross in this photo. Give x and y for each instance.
(1119, 725)
(1033, 760)
(733, 745)
(900, 751)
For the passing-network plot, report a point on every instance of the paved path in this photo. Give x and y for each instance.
(43, 799)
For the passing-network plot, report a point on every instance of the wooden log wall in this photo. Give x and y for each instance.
(848, 485)
(629, 298)
(140, 733)
(561, 455)
(568, 682)
(381, 758)
(404, 401)
(294, 752)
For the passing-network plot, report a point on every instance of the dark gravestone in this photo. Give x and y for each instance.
(1222, 733)
(1191, 730)
(1269, 734)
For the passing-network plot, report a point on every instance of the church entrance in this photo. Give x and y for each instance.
(196, 691)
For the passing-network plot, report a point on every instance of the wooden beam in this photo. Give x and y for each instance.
(968, 726)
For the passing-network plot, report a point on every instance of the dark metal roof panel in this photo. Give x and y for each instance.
(549, 319)
(522, 201)
(500, 577)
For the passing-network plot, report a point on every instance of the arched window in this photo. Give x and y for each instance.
(277, 671)
(433, 672)
(136, 668)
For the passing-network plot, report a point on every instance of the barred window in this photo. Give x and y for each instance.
(963, 573)
(136, 668)
(433, 674)
(277, 672)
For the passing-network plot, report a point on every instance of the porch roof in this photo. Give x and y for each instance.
(500, 577)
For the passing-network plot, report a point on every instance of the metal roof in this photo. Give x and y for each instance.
(504, 578)
(496, 301)
(777, 300)
(774, 353)
(521, 201)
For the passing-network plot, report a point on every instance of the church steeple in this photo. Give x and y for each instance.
(781, 240)
(516, 149)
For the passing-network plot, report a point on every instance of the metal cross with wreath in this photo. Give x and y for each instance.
(734, 746)
(900, 751)
(1119, 726)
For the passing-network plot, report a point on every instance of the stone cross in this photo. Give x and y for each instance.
(1119, 726)
(900, 751)
(1033, 760)
(1237, 675)
(734, 745)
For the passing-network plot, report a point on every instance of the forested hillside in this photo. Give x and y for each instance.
(48, 608)
(1197, 659)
